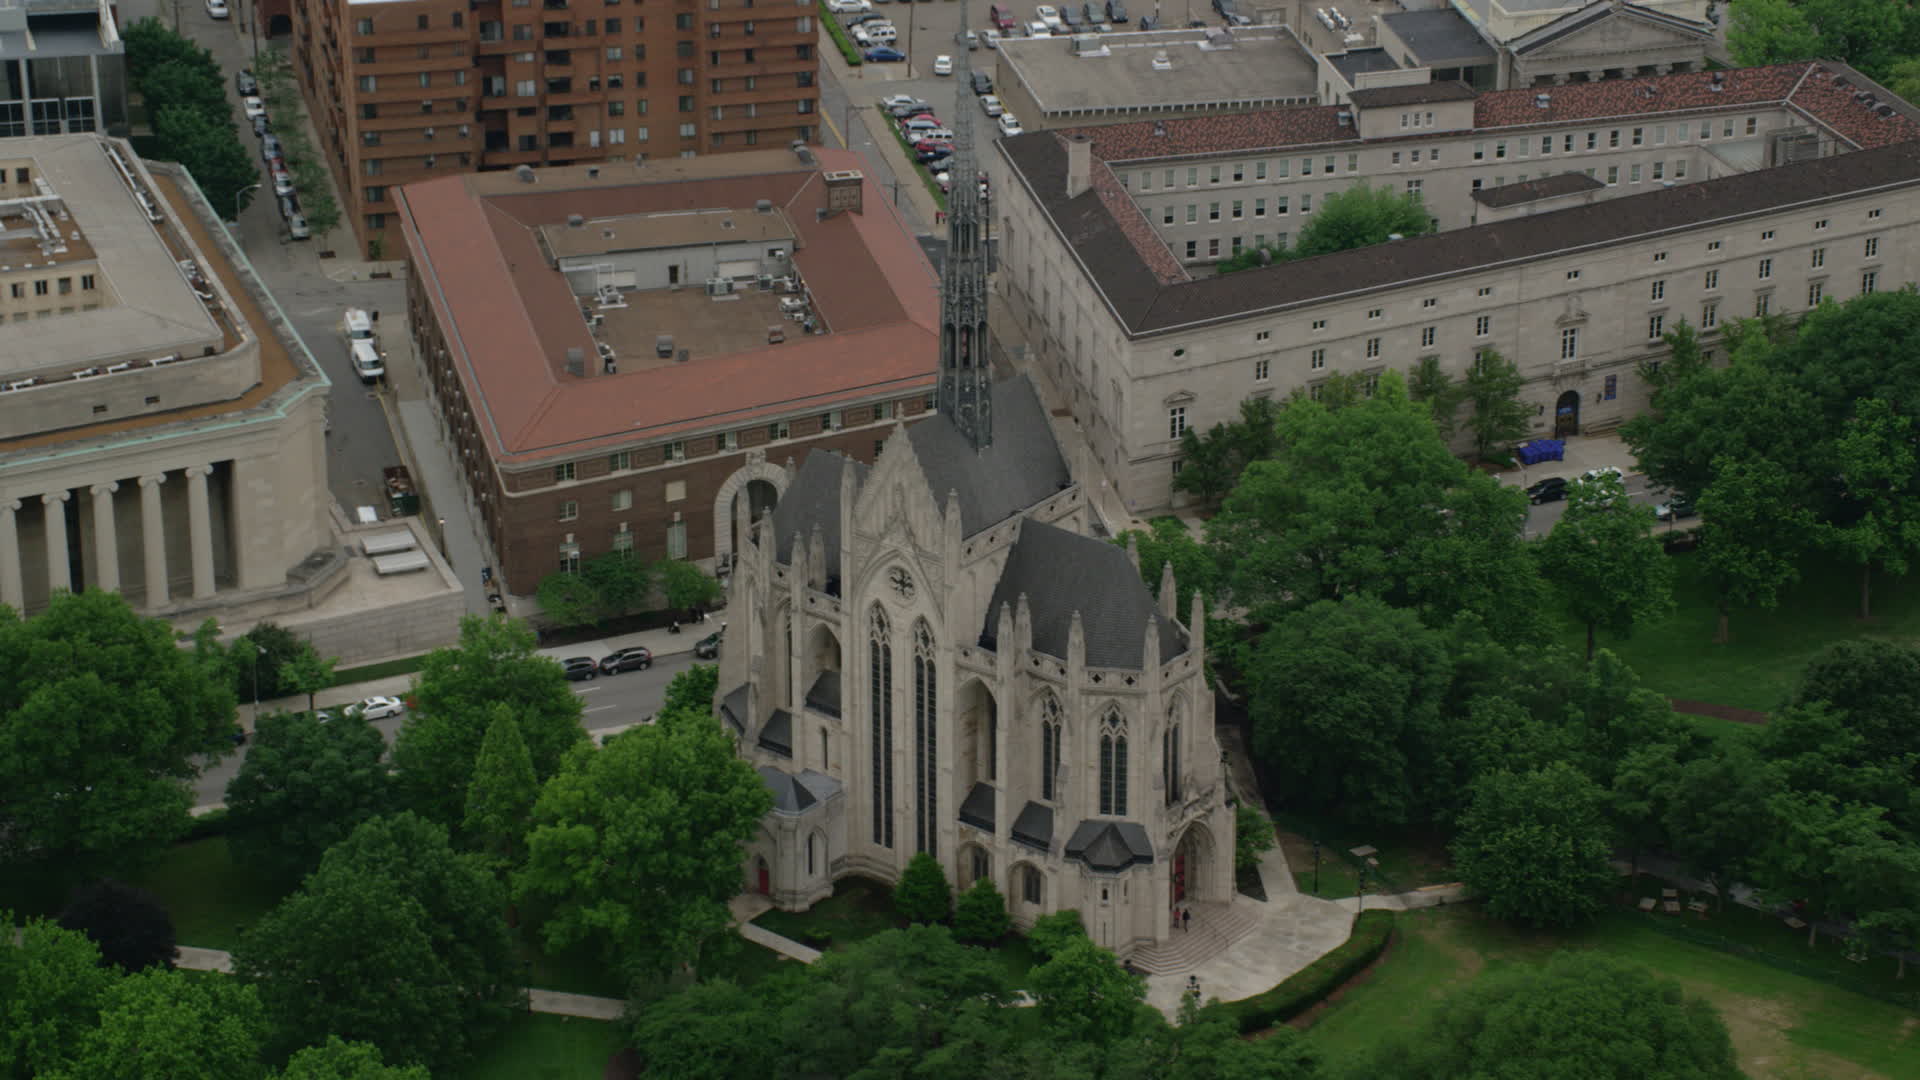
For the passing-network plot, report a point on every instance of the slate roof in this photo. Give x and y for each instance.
(1061, 572)
(813, 497)
(1440, 37)
(790, 796)
(1022, 467)
(825, 693)
(1417, 94)
(777, 735)
(1110, 845)
(1526, 191)
(1356, 62)
(733, 708)
(1034, 826)
(977, 810)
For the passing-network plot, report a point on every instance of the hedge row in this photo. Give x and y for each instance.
(840, 38)
(1310, 985)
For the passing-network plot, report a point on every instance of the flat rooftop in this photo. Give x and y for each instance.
(1440, 37)
(1357, 62)
(1251, 65)
(678, 228)
(147, 306)
(700, 324)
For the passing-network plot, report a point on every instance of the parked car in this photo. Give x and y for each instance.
(244, 83)
(1002, 17)
(883, 55)
(1230, 11)
(933, 153)
(991, 105)
(217, 9)
(252, 107)
(270, 148)
(936, 135)
(261, 125)
(1039, 29)
(1009, 124)
(1070, 19)
(379, 708)
(709, 647)
(1552, 489)
(919, 122)
(635, 658)
(1094, 12)
(282, 179)
(990, 38)
(916, 110)
(849, 7)
(1614, 471)
(874, 17)
(1676, 509)
(943, 64)
(580, 668)
(982, 82)
(898, 101)
(1147, 22)
(297, 227)
(1116, 11)
(1048, 15)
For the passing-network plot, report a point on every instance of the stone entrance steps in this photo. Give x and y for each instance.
(1215, 928)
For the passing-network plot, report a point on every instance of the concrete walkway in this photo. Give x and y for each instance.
(541, 1001)
(784, 946)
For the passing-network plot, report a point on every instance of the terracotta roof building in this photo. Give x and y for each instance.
(621, 351)
(1645, 201)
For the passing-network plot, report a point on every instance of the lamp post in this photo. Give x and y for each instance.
(1360, 901)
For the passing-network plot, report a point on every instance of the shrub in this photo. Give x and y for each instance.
(923, 895)
(980, 916)
(1051, 933)
(840, 39)
(1310, 985)
(1252, 836)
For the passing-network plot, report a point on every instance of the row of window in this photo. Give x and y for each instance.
(62, 286)
(1655, 135)
(727, 442)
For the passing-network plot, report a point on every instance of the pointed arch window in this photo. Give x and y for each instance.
(880, 704)
(1170, 755)
(1113, 764)
(1049, 748)
(926, 749)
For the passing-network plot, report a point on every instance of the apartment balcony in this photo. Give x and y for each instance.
(767, 120)
(500, 47)
(740, 69)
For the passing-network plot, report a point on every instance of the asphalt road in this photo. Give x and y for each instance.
(1543, 517)
(609, 703)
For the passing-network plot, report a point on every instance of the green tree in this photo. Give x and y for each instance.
(1715, 809)
(1492, 388)
(1363, 215)
(1603, 561)
(1875, 685)
(257, 657)
(638, 844)
(500, 799)
(51, 985)
(1813, 837)
(686, 586)
(1684, 358)
(1429, 384)
(1168, 540)
(151, 44)
(1345, 701)
(692, 690)
(1051, 933)
(980, 914)
(304, 787)
(307, 672)
(211, 153)
(337, 1059)
(188, 84)
(708, 1031)
(1883, 886)
(1876, 466)
(1252, 837)
(1211, 464)
(1581, 1014)
(1249, 257)
(396, 940)
(1903, 78)
(1753, 528)
(1761, 32)
(1084, 996)
(922, 894)
(620, 581)
(174, 1024)
(1535, 844)
(111, 789)
(453, 700)
(568, 599)
(130, 926)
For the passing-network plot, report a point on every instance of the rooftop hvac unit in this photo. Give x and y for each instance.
(663, 346)
(719, 286)
(1161, 63)
(525, 173)
(576, 361)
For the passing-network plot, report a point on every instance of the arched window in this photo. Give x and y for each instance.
(1170, 755)
(1049, 748)
(1030, 885)
(810, 870)
(926, 750)
(880, 704)
(1113, 764)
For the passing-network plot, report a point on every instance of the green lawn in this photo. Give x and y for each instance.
(1754, 670)
(1406, 859)
(212, 901)
(541, 1047)
(1783, 1025)
(858, 909)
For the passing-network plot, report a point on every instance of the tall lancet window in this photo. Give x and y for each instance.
(1113, 764)
(1170, 755)
(926, 747)
(1049, 748)
(880, 705)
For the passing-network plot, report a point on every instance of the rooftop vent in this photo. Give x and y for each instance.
(1541, 101)
(682, 356)
(576, 361)
(525, 173)
(593, 172)
(663, 345)
(1160, 61)
(801, 151)
(763, 206)
(1885, 110)
(726, 223)
(1861, 95)
(576, 221)
(1345, 118)
(1159, 130)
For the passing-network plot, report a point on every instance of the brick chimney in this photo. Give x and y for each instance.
(1079, 164)
(843, 191)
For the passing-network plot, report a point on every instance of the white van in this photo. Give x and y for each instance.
(368, 363)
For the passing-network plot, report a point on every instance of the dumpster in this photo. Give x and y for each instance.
(402, 499)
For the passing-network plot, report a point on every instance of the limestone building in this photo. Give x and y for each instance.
(928, 654)
(161, 433)
(1577, 224)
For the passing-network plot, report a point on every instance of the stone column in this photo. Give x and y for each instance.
(153, 540)
(59, 568)
(106, 540)
(200, 525)
(12, 592)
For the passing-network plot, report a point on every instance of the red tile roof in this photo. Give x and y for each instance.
(509, 316)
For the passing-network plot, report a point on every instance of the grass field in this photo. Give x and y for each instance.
(1755, 669)
(1784, 1026)
(541, 1047)
(212, 901)
(858, 909)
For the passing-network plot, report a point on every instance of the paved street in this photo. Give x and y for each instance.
(609, 703)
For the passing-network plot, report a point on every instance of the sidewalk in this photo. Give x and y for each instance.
(540, 1001)
(914, 202)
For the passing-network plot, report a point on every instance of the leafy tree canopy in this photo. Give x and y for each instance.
(1536, 844)
(1363, 215)
(337, 1059)
(305, 786)
(500, 799)
(1211, 464)
(692, 690)
(210, 152)
(1496, 416)
(131, 928)
(174, 1024)
(1168, 540)
(52, 982)
(922, 894)
(687, 587)
(1604, 562)
(980, 915)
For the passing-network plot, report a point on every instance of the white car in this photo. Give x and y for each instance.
(991, 105)
(990, 38)
(283, 183)
(898, 101)
(1009, 125)
(1614, 471)
(1039, 29)
(217, 9)
(849, 7)
(943, 65)
(253, 107)
(379, 708)
(1049, 16)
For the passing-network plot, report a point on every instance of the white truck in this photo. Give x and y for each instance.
(364, 354)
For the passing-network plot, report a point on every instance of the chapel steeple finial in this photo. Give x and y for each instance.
(965, 394)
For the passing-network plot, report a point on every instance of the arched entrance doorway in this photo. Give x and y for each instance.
(755, 487)
(1192, 866)
(1566, 415)
(762, 876)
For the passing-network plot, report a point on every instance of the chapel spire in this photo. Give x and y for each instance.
(965, 393)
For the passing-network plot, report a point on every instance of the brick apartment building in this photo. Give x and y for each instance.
(630, 357)
(407, 90)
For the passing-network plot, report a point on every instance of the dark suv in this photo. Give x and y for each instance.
(637, 658)
(579, 668)
(1552, 489)
(982, 83)
(1116, 11)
